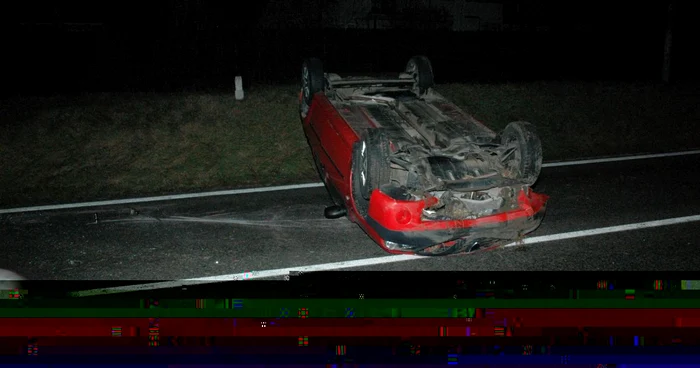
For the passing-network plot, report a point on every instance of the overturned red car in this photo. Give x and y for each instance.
(413, 170)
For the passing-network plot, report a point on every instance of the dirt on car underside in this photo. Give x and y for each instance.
(435, 145)
(436, 150)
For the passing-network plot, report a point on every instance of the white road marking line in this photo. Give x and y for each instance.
(160, 198)
(617, 159)
(299, 186)
(250, 275)
(610, 229)
(377, 260)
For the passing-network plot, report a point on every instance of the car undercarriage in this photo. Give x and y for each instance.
(416, 171)
(461, 163)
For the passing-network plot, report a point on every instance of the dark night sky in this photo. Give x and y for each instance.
(140, 40)
(112, 11)
(548, 11)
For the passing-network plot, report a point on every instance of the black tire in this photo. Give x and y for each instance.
(371, 167)
(312, 81)
(422, 71)
(522, 155)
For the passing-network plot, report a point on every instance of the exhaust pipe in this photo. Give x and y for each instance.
(334, 212)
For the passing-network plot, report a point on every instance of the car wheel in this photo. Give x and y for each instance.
(522, 153)
(371, 167)
(312, 81)
(422, 71)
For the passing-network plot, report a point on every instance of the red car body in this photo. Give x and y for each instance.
(335, 126)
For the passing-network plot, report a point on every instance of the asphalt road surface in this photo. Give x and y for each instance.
(226, 235)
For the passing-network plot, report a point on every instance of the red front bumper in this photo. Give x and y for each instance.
(401, 222)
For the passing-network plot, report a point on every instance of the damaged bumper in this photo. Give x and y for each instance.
(403, 226)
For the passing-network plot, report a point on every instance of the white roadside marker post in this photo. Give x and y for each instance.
(239, 88)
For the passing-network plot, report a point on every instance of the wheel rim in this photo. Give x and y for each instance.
(364, 187)
(412, 69)
(512, 158)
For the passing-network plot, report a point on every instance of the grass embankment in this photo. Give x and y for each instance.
(61, 149)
